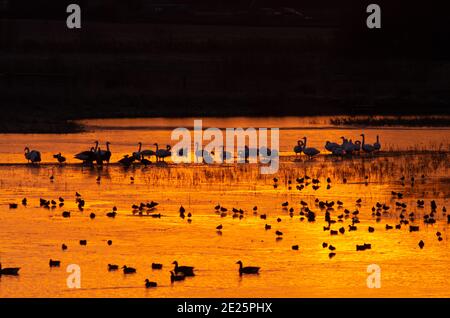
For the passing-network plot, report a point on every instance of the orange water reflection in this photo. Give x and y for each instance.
(124, 134)
(30, 236)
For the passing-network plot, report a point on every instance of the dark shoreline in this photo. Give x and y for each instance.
(67, 126)
(50, 76)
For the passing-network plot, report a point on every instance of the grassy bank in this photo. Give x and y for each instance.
(408, 121)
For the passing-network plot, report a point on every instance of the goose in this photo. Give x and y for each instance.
(128, 270)
(186, 270)
(157, 266)
(126, 161)
(149, 284)
(176, 278)
(54, 263)
(32, 156)
(12, 271)
(298, 148)
(247, 269)
(377, 144)
(162, 153)
(366, 147)
(60, 158)
(144, 161)
(330, 146)
(310, 152)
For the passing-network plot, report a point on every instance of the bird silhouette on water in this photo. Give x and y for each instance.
(185, 270)
(247, 269)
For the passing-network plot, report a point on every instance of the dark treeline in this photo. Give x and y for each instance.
(219, 58)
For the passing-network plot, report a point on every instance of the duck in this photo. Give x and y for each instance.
(128, 270)
(247, 269)
(32, 156)
(145, 162)
(176, 278)
(60, 158)
(157, 266)
(126, 161)
(113, 267)
(186, 270)
(54, 263)
(11, 271)
(149, 284)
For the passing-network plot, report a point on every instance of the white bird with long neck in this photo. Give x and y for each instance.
(347, 145)
(310, 152)
(366, 147)
(298, 148)
(162, 153)
(331, 145)
(32, 156)
(137, 154)
(377, 144)
(105, 155)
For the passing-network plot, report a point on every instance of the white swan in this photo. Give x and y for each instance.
(162, 153)
(86, 156)
(34, 156)
(299, 148)
(377, 144)
(105, 155)
(310, 152)
(338, 151)
(357, 146)
(226, 155)
(348, 146)
(331, 145)
(366, 147)
(137, 154)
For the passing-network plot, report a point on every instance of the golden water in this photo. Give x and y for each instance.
(31, 235)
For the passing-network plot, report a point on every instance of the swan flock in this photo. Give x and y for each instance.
(99, 156)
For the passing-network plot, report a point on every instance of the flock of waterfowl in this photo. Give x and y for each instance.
(99, 156)
(347, 147)
(327, 209)
(334, 213)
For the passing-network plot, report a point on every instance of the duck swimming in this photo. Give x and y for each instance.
(12, 271)
(247, 269)
(186, 270)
